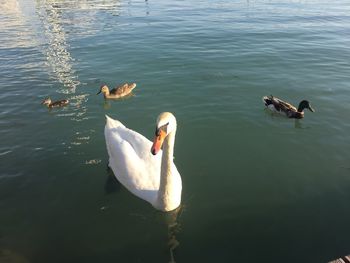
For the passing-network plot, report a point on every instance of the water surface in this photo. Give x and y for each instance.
(256, 187)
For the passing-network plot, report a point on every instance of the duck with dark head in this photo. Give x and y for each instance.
(280, 106)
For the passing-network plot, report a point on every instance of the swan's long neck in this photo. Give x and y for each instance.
(166, 186)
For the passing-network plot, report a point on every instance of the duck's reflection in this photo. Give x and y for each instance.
(106, 104)
(297, 124)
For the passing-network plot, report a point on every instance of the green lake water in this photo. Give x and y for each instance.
(256, 187)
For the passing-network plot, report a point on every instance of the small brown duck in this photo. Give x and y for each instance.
(118, 92)
(280, 106)
(58, 103)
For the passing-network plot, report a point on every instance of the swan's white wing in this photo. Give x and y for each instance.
(131, 160)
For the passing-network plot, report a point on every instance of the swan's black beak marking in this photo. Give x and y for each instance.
(159, 137)
(153, 151)
(157, 132)
(163, 128)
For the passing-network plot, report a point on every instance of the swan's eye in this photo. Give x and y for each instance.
(163, 128)
(157, 133)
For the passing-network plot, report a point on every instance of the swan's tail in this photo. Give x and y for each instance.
(111, 123)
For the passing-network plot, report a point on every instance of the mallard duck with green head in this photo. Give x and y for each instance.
(280, 106)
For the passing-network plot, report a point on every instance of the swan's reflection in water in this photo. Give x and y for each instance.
(174, 227)
(171, 220)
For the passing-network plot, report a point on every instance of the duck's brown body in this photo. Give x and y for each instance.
(118, 92)
(58, 103)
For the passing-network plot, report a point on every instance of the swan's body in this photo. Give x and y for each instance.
(285, 108)
(58, 103)
(153, 178)
(118, 92)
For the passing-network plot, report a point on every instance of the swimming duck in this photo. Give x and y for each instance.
(143, 167)
(117, 92)
(51, 104)
(280, 106)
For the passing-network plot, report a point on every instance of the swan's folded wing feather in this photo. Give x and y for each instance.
(132, 163)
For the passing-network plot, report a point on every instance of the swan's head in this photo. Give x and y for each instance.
(166, 124)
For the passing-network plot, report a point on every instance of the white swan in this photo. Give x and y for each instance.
(152, 177)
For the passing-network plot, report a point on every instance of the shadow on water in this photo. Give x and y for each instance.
(112, 185)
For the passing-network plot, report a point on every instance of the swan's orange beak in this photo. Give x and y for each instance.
(158, 141)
